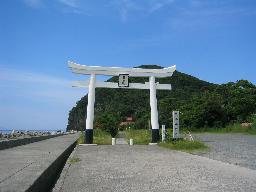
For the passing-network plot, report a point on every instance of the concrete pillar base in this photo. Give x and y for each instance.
(89, 136)
(152, 144)
(155, 135)
(87, 144)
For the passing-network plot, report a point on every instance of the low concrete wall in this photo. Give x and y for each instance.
(35, 167)
(17, 142)
(49, 177)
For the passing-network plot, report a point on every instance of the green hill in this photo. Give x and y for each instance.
(201, 103)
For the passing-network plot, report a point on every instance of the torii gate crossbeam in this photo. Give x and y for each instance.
(117, 71)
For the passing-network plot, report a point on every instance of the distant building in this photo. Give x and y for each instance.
(128, 121)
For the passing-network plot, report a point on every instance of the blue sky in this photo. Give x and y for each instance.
(213, 40)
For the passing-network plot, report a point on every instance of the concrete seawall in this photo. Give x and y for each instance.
(17, 142)
(35, 166)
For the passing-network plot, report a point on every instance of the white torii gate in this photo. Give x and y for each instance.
(124, 74)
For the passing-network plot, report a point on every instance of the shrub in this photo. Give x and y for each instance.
(141, 123)
(109, 123)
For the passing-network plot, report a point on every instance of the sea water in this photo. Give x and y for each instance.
(5, 131)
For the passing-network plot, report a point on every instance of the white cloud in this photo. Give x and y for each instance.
(33, 84)
(127, 8)
(12, 75)
(124, 7)
(70, 3)
(157, 5)
(68, 6)
(72, 6)
(31, 100)
(33, 3)
(198, 14)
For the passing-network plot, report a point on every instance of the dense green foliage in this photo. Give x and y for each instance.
(140, 137)
(250, 128)
(228, 103)
(100, 137)
(201, 104)
(108, 123)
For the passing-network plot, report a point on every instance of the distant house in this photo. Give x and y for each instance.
(128, 121)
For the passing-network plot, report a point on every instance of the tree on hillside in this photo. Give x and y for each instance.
(108, 123)
(203, 111)
(239, 100)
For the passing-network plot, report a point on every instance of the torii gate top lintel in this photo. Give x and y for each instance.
(115, 71)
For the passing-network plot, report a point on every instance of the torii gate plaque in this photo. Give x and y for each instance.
(123, 83)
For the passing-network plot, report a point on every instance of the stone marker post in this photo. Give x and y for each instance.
(163, 133)
(175, 116)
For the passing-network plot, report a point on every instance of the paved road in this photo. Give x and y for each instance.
(237, 149)
(150, 168)
(21, 166)
(120, 140)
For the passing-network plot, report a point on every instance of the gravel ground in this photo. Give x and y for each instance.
(236, 149)
(150, 168)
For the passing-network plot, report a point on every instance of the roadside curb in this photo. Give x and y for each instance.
(48, 178)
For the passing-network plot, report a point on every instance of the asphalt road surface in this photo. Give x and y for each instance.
(150, 168)
(237, 149)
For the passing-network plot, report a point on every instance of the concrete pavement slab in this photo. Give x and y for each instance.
(21, 166)
(235, 148)
(121, 141)
(150, 168)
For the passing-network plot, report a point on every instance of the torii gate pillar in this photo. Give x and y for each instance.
(154, 112)
(90, 111)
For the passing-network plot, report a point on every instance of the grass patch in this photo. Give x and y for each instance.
(231, 128)
(238, 128)
(139, 136)
(234, 128)
(252, 130)
(74, 160)
(187, 146)
(100, 137)
(80, 139)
